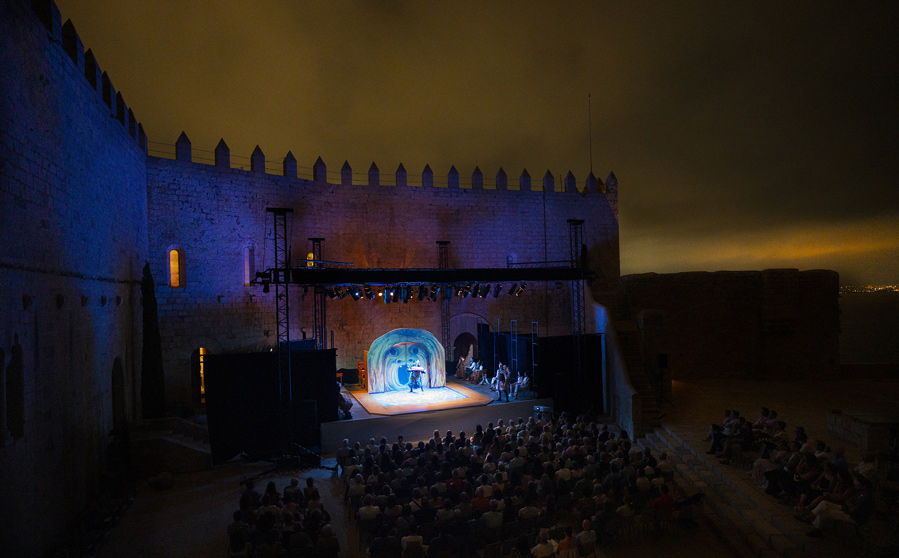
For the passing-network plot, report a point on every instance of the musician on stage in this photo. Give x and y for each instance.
(415, 372)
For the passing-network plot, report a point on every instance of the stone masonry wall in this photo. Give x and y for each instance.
(73, 229)
(777, 323)
(213, 213)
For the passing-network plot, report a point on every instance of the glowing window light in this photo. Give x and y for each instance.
(174, 268)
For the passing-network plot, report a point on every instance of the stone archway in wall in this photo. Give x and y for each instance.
(464, 333)
(465, 345)
(197, 375)
(119, 416)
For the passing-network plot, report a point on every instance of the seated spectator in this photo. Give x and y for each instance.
(867, 468)
(543, 549)
(368, 511)
(856, 509)
(587, 537)
(327, 545)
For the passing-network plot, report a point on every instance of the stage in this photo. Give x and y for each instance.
(415, 417)
(452, 396)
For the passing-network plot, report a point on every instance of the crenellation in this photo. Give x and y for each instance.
(570, 183)
(524, 181)
(290, 166)
(374, 176)
(222, 155)
(477, 179)
(71, 44)
(401, 176)
(319, 172)
(120, 109)
(501, 179)
(346, 174)
(427, 177)
(452, 178)
(257, 161)
(549, 183)
(92, 72)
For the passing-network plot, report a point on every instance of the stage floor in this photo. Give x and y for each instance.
(420, 423)
(455, 395)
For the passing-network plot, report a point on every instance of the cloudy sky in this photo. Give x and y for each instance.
(745, 135)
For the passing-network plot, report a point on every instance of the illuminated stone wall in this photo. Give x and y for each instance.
(214, 212)
(776, 323)
(74, 238)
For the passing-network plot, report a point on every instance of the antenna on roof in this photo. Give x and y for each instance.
(590, 129)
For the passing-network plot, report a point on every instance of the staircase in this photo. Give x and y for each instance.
(751, 522)
(170, 444)
(629, 340)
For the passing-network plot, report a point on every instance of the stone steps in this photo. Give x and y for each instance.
(754, 523)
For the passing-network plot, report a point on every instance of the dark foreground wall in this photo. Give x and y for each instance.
(73, 239)
(776, 323)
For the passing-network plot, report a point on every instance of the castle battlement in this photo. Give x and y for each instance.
(66, 37)
(221, 158)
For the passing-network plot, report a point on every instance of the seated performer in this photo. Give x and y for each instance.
(415, 372)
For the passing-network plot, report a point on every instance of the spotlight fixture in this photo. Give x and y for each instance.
(521, 288)
(435, 290)
(466, 290)
(395, 292)
(341, 292)
(485, 290)
(458, 290)
(356, 292)
(330, 292)
(475, 289)
(388, 295)
(422, 292)
(447, 292)
(405, 293)
(513, 289)
(496, 289)
(369, 294)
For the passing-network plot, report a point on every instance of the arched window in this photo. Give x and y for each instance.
(176, 266)
(249, 263)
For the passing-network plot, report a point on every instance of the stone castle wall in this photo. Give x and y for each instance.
(776, 323)
(214, 213)
(74, 238)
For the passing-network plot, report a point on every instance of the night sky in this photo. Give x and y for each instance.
(745, 135)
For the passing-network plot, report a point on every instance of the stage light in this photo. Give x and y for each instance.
(485, 290)
(369, 294)
(330, 292)
(388, 295)
(466, 290)
(422, 292)
(475, 289)
(405, 293)
(447, 292)
(497, 289)
(395, 294)
(458, 290)
(513, 288)
(356, 292)
(521, 288)
(435, 290)
(341, 293)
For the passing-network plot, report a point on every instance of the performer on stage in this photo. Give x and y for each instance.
(415, 372)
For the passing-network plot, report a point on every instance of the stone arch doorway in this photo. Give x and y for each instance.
(119, 417)
(198, 375)
(465, 345)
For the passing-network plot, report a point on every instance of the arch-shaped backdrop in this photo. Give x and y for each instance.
(394, 351)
